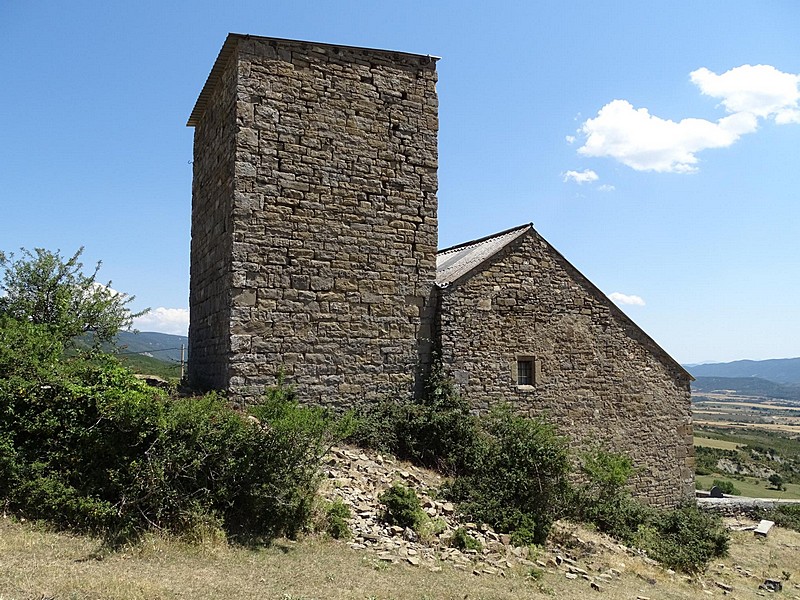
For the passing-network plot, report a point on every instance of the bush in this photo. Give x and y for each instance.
(464, 541)
(517, 481)
(776, 481)
(337, 515)
(87, 446)
(402, 507)
(603, 500)
(726, 487)
(786, 515)
(685, 539)
(435, 431)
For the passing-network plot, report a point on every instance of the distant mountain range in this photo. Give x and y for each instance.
(747, 386)
(162, 346)
(775, 378)
(779, 370)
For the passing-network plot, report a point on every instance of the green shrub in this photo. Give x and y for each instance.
(785, 515)
(464, 541)
(517, 480)
(726, 487)
(603, 499)
(606, 472)
(685, 539)
(402, 507)
(86, 445)
(435, 431)
(337, 515)
(776, 481)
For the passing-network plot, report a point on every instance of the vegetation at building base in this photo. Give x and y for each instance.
(86, 445)
(517, 481)
(513, 473)
(436, 431)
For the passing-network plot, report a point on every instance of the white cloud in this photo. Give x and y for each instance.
(606, 188)
(760, 90)
(570, 139)
(626, 299)
(579, 177)
(164, 320)
(646, 142)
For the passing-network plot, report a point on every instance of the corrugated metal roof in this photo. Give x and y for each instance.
(455, 262)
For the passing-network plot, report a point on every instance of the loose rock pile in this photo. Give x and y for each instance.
(358, 477)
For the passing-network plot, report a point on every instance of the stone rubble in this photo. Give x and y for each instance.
(357, 477)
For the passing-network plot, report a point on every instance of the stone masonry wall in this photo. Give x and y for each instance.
(596, 374)
(212, 226)
(334, 228)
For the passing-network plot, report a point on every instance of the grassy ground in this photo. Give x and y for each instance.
(39, 564)
(712, 443)
(750, 487)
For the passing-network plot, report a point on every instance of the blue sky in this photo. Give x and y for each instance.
(654, 144)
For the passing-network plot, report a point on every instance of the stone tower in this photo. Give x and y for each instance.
(314, 226)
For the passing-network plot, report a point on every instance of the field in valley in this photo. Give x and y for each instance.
(746, 439)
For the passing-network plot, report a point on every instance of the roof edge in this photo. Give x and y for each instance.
(648, 342)
(230, 44)
(480, 266)
(484, 238)
(227, 50)
(654, 347)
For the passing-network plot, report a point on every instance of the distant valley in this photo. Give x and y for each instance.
(161, 346)
(775, 378)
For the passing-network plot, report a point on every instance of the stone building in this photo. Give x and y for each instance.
(314, 233)
(313, 219)
(518, 323)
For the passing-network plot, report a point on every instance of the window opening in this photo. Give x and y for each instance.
(525, 372)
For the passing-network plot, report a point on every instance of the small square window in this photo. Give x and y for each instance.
(525, 371)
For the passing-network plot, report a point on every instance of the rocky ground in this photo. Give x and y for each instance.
(358, 477)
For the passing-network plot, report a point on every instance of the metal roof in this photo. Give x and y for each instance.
(229, 47)
(455, 262)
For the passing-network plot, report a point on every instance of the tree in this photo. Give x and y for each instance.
(776, 481)
(45, 288)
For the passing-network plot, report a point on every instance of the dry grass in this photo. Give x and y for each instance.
(40, 564)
